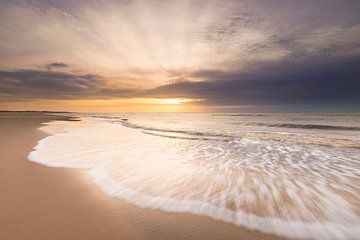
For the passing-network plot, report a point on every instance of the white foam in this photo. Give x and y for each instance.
(282, 188)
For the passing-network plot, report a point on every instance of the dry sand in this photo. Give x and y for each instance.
(37, 202)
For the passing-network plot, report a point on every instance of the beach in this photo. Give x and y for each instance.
(172, 120)
(38, 202)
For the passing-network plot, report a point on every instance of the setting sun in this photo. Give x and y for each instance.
(178, 100)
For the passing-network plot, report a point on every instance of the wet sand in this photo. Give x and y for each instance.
(38, 202)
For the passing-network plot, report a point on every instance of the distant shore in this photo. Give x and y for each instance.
(37, 202)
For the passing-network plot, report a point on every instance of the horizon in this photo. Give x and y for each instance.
(225, 113)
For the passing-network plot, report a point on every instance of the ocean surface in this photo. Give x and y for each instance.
(294, 175)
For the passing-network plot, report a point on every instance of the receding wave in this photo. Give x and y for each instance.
(256, 135)
(280, 187)
(167, 130)
(175, 134)
(125, 122)
(302, 126)
(272, 114)
(304, 139)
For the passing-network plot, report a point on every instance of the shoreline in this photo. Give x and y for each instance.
(38, 202)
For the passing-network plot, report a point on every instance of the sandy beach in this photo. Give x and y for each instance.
(38, 202)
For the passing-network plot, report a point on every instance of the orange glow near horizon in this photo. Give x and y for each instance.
(179, 100)
(110, 105)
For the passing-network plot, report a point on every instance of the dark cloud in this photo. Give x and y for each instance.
(334, 82)
(51, 65)
(39, 84)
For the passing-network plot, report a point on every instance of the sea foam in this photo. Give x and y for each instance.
(285, 188)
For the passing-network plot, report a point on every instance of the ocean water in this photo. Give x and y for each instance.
(294, 175)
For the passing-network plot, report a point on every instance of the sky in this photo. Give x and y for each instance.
(213, 56)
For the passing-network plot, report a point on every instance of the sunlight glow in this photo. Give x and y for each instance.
(178, 100)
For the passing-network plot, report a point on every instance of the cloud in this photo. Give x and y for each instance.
(334, 82)
(40, 84)
(123, 35)
(51, 65)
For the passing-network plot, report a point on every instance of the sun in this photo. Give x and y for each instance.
(177, 101)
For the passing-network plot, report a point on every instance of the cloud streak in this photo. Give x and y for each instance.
(39, 84)
(55, 65)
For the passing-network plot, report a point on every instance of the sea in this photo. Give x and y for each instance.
(296, 175)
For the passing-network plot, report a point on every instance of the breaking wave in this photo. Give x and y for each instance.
(282, 187)
(303, 126)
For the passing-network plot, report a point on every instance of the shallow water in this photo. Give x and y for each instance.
(295, 175)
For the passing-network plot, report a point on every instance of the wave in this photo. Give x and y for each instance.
(279, 114)
(281, 136)
(291, 190)
(304, 139)
(256, 135)
(177, 135)
(167, 130)
(127, 123)
(302, 126)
